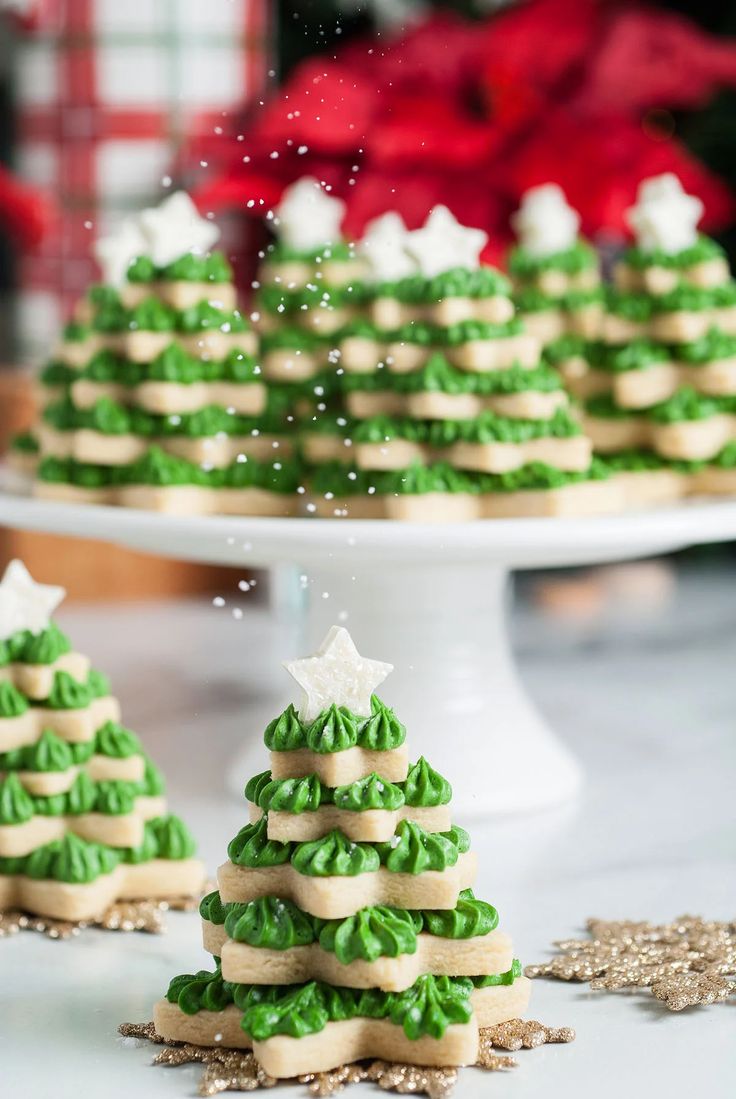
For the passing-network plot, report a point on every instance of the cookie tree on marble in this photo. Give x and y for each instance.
(83, 818)
(344, 925)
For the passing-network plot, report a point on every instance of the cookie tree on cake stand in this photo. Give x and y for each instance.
(344, 925)
(83, 819)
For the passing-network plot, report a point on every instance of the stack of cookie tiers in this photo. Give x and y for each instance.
(662, 384)
(447, 411)
(344, 925)
(155, 398)
(556, 276)
(83, 818)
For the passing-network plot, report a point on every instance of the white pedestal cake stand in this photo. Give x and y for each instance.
(431, 600)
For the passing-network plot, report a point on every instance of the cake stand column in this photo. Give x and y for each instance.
(455, 686)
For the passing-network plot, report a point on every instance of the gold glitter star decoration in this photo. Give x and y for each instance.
(690, 962)
(236, 1070)
(122, 916)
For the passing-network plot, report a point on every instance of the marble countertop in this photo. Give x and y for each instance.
(646, 702)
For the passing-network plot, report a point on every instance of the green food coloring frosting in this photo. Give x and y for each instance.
(173, 838)
(431, 1005)
(82, 751)
(201, 991)
(49, 753)
(67, 693)
(371, 792)
(212, 909)
(492, 980)
(469, 918)
(703, 249)
(285, 732)
(25, 443)
(12, 702)
(82, 796)
(292, 795)
(98, 684)
(383, 731)
(255, 786)
(424, 787)
(16, 804)
(715, 344)
(296, 1011)
(71, 860)
(414, 851)
(46, 647)
(334, 730)
(459, 837)
(334, 855)
(571, 261)
(153, 784)
(115, 797)
(270, 923)
(116, 742)
(371, 933)
(148, 848)
(252, 847)
(13, 864)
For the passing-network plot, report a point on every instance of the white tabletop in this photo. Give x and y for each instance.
(649, 710)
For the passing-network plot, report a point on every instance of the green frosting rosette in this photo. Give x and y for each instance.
(371, 792)
(334, 854)
(72, 860)
(12, 702)
(16, 804)
(252, 847)
(334, 730)
(414, 851)
(372, 933)
(426, 788)
(269, 922)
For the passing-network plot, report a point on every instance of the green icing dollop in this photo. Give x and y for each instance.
(46, 647)
(201, 991)
(459, 837)
(116, 742)
(715, 344)
(414, 851)
(425, 787)
(12, 648)
(82, 796)
(49, 753)
(98, 684)
(469, 918)
(704, 249)
(334, 854)
(115, 798)
(292, 795)
(153, 784)
(12, 702)
(334, 730)
(382, 731)
(13, 864)
(152, 315)
(72, 860)
(212, 909)
(148, 848)
(431, 1005)
(269, 922)
(255, 786)
(371, 792)
(285, 732)
(252, 847)
(491, 980)
(16, 804)
(173, 838)
(371, 933)
(82, 751)
(571, 261)
(67, 693)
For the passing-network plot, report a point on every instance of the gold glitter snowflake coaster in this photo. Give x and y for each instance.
(121, 916)
(238, 1070)
(687, 963)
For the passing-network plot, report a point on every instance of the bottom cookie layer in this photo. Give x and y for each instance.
(158, 879)
(347, 1040)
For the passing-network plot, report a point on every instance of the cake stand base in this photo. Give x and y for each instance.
(456, 686)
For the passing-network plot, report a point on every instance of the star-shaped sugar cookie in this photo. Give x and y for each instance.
(116, 252)
(443, 243)
(384, 246)
(545, 223)
(337, 674)
(664, 217)
(174, 228)
(307, 217)
(24, 604)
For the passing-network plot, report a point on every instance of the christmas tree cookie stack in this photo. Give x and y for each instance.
(155, 398)
(665, 374)
(83, 820)
(448, 411)
(344, 925)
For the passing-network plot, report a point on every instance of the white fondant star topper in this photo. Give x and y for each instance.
(307, 216)
(338, 674)
(384, 246)
(664, 216)
(116, 252)
(545, 223)
(175, 228)
(443, 243)
(24, 604)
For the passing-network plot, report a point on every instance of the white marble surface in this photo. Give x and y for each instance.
(647, 706)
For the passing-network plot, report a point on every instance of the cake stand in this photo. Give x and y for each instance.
(430, 599)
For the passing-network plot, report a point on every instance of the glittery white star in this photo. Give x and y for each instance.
(337, 674)
(664, 217)
(443, 243)
(116, 252)
(174, 228)
(545, 223)
(384, 246)
(307, 216)
(24, 604)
